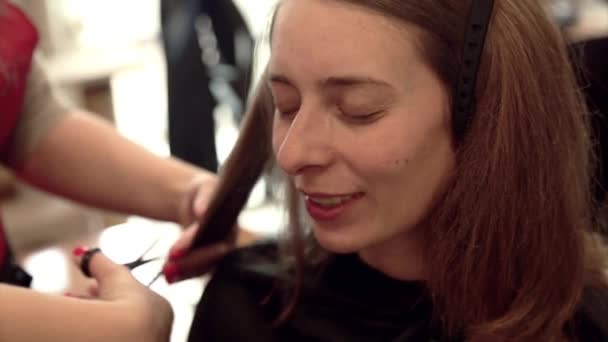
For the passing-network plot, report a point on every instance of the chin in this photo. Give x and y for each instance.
(337, 243)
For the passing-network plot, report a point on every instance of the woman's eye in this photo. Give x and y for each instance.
(361, 116)
(286, 105)
(287, 111)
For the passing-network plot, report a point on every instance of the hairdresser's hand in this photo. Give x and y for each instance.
(144, 313)
(185, 263)
(195, 200)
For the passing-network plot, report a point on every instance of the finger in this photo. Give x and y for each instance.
(99, 266)
(77, 296)
(93, 290)
(84, 255)
(194, 202)
(182, 245)
(204, 187)
(196, 263)
(200, 203)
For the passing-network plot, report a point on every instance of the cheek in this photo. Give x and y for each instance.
(416, 160)
(420, 173)
(394, 157)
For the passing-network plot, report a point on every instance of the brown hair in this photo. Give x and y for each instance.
(509, 244)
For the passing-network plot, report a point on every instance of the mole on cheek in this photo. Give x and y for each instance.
(401, 161)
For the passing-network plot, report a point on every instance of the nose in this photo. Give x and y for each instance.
(304, 142)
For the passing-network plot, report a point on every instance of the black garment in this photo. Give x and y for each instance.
(344, 301)
(190, 100)
(13, 274)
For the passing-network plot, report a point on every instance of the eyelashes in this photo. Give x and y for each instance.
(286, 113)
(356, 117)
(363, 118)
(358, 111)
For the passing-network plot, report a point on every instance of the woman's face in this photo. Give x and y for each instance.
(362, 125)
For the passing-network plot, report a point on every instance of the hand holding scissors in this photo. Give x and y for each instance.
(88, 253)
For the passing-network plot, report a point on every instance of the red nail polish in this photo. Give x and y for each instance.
(79, 251)
(176, 254)
(171, 273)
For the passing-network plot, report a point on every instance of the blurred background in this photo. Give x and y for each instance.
(143, 65)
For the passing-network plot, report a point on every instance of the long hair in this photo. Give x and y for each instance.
(509, 245)
(507, 242)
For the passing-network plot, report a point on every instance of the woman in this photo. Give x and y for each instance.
(432, 217)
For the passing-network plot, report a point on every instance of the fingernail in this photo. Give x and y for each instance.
(176, 254)
(68, 294)
(171, 272)
(79, 251)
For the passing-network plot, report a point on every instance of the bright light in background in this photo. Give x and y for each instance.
(110, 23)
(50, 268)
(257, 14)
(126, 242)
(258, 17)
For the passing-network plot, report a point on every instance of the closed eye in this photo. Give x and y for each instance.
(287, 112)
(362, 118)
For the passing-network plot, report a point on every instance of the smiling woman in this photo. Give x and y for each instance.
(425, 220)
(353, 101)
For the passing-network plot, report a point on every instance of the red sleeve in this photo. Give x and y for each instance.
(19, 39)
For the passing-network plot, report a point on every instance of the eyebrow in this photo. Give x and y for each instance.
(335, 81)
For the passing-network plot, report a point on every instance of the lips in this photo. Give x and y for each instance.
(330, 201)
(328, 207)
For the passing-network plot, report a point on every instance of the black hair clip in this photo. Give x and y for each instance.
(474, 41)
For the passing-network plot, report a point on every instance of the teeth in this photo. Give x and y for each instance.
(330, 201)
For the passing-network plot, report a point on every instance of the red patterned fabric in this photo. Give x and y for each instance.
(18, 39)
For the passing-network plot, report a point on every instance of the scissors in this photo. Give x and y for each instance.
(140, 261)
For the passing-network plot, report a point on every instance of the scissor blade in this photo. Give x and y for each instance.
(149, 248)
(140, 260)
(160, 273)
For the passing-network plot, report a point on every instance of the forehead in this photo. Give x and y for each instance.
(341, 37)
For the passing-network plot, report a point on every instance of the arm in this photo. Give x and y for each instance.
(85, 159)
(26, 315)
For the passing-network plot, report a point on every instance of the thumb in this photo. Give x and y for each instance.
(201, 190)
(99, 266)
(200, 203)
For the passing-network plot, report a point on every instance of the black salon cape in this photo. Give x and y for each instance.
(344, 301)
